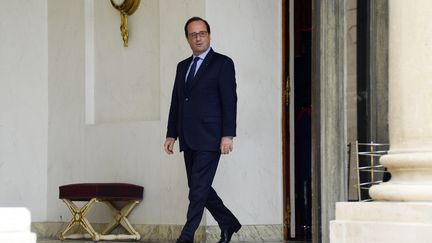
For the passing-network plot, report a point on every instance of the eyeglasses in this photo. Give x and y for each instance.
(200, 34)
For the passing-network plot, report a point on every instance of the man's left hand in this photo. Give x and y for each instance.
(226, 145)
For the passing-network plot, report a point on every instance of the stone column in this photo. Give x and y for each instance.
(410, 91)
(377, 41)
(402, 208)
(329, 137)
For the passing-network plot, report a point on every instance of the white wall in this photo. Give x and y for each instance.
(66, 148)
(23, 105)
(250, 179)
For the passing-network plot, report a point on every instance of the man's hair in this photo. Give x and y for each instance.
(193, 19)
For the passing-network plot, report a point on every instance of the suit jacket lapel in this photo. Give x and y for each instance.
(183, 72)
(202, 68)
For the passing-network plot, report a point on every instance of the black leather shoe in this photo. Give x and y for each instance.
(226, 234)
(180, 240)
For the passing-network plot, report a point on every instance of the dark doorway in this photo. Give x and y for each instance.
(297, 119)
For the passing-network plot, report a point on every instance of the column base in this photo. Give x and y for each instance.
(401, 192)
(411, 177)
(382, 222)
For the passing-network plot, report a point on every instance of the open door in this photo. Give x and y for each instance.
(297, 119)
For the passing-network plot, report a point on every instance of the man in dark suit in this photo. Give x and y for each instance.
(203, 117)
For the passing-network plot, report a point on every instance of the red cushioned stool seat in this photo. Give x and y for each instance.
(106, 193)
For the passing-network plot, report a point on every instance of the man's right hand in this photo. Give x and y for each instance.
(169, 145)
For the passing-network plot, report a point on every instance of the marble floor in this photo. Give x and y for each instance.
(83, 241)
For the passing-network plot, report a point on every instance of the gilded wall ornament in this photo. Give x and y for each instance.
(126, 8)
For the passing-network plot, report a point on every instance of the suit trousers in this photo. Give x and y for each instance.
(201, 169)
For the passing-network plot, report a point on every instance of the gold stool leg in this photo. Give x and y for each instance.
(74, 211)
(125, 211)
(120, 218)
(79, 218)
(115, 222)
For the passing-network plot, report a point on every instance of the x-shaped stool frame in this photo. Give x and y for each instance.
(120, 218)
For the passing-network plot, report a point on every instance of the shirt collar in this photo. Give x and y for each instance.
(202, 55)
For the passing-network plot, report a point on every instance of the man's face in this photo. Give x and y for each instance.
(198, 37)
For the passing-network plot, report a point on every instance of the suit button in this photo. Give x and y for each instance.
(187, 99)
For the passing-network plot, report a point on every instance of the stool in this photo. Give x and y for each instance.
(106, 193)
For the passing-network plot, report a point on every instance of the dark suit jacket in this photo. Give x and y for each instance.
(201, 115)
